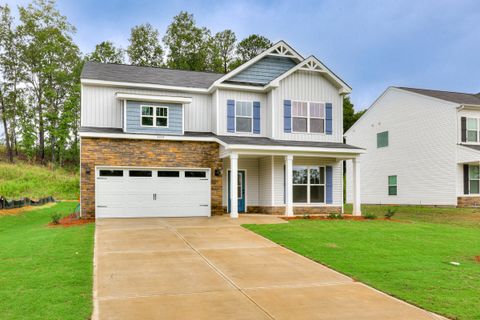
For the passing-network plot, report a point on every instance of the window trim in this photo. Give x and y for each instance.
(308, 117)
(470, 179)
(245, 117)
(154, 116)
(477, 131)
(392, 185)
(308, 184)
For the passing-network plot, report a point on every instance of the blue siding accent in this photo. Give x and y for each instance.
(328, 118)
(256, 116)
(231, 115)
(134, 121)
(329, 184)
(264, 70)
(287, 116)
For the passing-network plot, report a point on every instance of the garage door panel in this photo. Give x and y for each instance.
(134, 196)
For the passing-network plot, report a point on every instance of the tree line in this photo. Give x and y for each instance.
(40, 67)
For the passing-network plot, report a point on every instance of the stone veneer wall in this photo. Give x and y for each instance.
(465, 202)
(279, 210)
(146, 153)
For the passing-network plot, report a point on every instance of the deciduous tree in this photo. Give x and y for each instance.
(145, 48)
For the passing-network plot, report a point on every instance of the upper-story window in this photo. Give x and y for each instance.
(244, 116)
(472, 129)
(153, 116)
(382, 139)
(308, 117)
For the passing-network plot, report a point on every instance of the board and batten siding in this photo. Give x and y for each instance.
(100, 108)
(308, 86)
(224, 95)
(421, 151)
(265, 70)
(175, 114)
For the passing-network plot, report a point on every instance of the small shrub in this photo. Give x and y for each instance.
(335, 215)
(370, 216)
(390, 213)
(306, 216)
(56, 217)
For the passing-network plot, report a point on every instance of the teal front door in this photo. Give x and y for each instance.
(240, 192)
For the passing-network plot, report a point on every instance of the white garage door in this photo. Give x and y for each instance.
(140, 192)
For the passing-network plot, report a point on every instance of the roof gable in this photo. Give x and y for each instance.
(265, 70)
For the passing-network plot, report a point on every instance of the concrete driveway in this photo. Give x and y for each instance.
(211, 268)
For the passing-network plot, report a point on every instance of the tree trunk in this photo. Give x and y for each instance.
(7, 136)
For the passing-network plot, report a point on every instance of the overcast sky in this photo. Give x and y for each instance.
(370, 44)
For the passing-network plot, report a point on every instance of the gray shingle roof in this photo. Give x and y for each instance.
(471, 146)
(148, 75)
(457, 97)
(259, 141)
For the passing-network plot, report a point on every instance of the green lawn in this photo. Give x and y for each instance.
(409, 260)
(45, 273)
(20, 180)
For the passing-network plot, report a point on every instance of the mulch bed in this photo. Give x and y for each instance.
(71, 221)
(345, 217)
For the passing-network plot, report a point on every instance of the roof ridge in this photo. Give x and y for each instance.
(446, 91)
(153, 67)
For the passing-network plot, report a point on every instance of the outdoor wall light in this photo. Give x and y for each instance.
(218, 172)
(87, 169)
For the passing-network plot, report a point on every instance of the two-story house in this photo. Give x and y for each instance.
(266, 137)
(423, 148)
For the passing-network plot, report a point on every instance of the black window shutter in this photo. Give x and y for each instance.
(464, 129)
(465, 179)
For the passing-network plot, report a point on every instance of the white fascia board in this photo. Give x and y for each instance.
(136, 136)
(152, 98)
(141, 85)
(238, 87)
(257, 58)
(232, 147)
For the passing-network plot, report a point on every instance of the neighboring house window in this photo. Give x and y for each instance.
(308, 117)
(474, 178)
(308, 184)
(382, 139)
(243, 116)
(472, 130)
(154, 116)
(392, 185)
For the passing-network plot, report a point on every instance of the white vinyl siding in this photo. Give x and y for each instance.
(100, 108)
(225, 95)
(422, 150)
(307, 86)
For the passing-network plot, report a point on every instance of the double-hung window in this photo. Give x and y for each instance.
(308, 117)
(473, 179)
(392, 185)
(308, 184)
(244, 116)
(153, 116)
(472, 130)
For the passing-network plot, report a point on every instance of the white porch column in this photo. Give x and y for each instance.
(357, 211)
(234, 185)
(289, 185)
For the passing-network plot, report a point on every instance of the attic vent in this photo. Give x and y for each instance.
(283, 51)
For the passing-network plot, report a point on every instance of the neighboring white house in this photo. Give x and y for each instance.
(266, 137)
(423, 147)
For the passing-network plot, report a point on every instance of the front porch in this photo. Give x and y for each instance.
(283, 183)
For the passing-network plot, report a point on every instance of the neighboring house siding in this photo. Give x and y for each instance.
(307, 86)
(225, 95)
(421, 150)
(100, 108)
(134, 122)
(264, 70)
